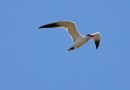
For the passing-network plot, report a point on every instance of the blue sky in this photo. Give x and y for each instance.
(36, 59)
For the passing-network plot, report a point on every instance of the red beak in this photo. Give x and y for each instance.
(92, 35)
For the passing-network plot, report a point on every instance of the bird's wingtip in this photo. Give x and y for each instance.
(39, 27)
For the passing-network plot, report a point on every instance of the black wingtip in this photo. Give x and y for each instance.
(40, 27)
(51, 25)
(72, 48)
(97, 42)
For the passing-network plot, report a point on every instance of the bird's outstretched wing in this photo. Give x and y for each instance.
(96, 39)
(69, 26)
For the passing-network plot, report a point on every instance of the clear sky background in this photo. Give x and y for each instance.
(36, 59)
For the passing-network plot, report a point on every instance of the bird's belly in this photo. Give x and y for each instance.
(79, 43)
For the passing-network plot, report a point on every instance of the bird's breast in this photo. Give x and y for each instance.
(79, 42)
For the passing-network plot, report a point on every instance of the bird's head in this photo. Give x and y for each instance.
(90, 35)
(95, 37)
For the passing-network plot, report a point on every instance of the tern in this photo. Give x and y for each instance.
(77, 38)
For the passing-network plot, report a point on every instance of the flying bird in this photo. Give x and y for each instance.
(77, 38)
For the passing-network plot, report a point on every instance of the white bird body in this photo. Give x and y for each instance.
(78, 40)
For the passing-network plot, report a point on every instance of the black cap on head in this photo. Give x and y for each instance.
(88, 35)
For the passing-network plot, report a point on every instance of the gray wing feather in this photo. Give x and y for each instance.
(69, 26)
